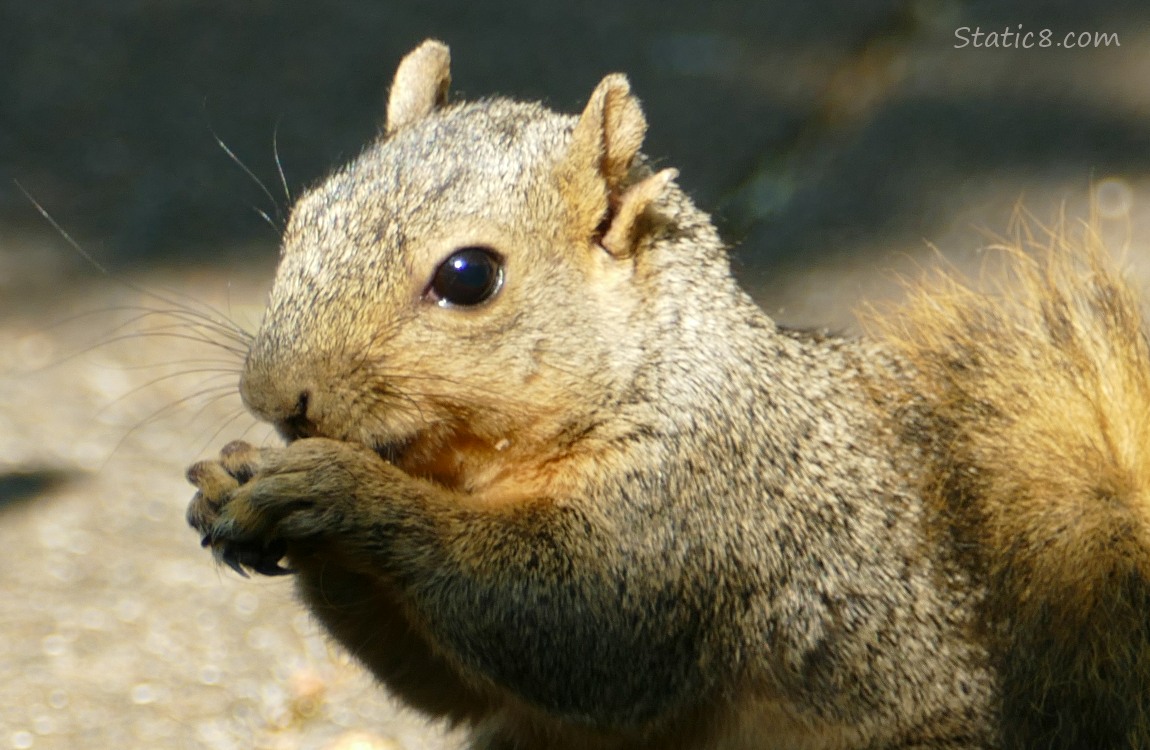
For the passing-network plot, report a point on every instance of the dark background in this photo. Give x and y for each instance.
(809, 129)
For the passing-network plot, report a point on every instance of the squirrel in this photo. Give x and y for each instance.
(549, 473)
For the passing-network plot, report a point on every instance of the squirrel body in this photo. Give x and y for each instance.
(551, 474)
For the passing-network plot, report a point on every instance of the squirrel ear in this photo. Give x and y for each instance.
(622, 233)
(609, 132)
(604, 144)
(420, 84)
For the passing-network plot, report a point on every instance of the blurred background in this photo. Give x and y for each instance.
(832, 141)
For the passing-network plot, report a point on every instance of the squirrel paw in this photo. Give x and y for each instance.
(219, 482)
(252, 502)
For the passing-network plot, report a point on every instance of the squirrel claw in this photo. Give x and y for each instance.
(230, 557)
(265, 561)
(268, 568)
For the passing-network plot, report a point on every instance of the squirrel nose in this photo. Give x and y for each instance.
(298, 424)
(291, 411)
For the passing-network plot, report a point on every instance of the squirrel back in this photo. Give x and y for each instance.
(1033, 406)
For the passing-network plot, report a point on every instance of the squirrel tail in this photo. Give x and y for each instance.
(1032, 404)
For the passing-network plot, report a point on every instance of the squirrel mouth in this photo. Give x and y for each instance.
(392, 452)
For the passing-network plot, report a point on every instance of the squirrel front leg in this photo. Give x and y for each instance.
(359, 608)
(544, 598)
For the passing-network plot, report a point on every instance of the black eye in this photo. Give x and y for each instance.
(469, 276)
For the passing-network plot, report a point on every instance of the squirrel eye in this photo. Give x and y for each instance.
(469, 276)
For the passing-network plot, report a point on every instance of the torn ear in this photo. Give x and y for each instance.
(593, 174)
(420, 84)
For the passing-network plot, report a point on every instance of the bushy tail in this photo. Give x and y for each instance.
(1033, 404)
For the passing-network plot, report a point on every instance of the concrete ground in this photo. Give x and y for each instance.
(833, 143)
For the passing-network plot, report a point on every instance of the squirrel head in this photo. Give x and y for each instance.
(465, 288)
